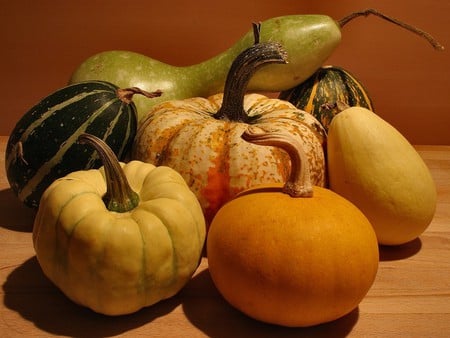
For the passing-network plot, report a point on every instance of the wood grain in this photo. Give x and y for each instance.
(410, 296)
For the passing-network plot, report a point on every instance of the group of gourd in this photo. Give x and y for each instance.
(292, 196)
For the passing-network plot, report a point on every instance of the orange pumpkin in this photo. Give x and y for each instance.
(292, 255)
(201, 137)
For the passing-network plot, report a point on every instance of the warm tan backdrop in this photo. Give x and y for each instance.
(44, 41)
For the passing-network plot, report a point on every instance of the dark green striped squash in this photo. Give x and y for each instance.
(43, 145)
(327, 92)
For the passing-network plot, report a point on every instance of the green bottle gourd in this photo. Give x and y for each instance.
(308, 39)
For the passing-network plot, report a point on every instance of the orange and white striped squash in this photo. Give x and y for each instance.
(201, 137)
(210, 154)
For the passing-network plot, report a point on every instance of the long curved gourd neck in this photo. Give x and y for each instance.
(209, 76)
(308, 39)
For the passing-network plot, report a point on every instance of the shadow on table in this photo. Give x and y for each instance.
(209, 312)
(51, 311)
(398, 252)
(14, 214)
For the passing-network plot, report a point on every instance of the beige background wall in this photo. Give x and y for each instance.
(44, 41)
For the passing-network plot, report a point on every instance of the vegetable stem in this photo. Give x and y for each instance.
(436, 45)
(126, 94)
(119, 196)
(299, 181)
(240, 73)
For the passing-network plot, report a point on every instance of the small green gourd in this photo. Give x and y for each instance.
(43, 144)
(327, 92)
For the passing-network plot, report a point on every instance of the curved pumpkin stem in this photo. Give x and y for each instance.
(299, 181)
(240, 73)
(119, 196)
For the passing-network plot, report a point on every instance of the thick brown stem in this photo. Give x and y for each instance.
(404, 25)
(299, 181)
(241, 71)
(119, 196)
(126, 94)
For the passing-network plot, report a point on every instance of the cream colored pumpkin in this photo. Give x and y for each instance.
(118, 262)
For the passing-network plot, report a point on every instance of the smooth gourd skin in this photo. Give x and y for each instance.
(308, 39)
(211, 155)
(292, 261)
(375, 167)
(117, 263)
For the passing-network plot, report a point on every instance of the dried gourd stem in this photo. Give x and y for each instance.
(411, 28)
(119, 196)
(126, 94)
(256, 32)
(299, 181)
(240, 73)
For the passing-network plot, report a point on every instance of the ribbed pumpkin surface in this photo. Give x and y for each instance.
(116, 263)
(42, 146)
(327, 88)
(211, 155)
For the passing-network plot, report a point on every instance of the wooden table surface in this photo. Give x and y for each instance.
(410, 296)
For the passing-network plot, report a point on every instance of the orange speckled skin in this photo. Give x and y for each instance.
(210, 153)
